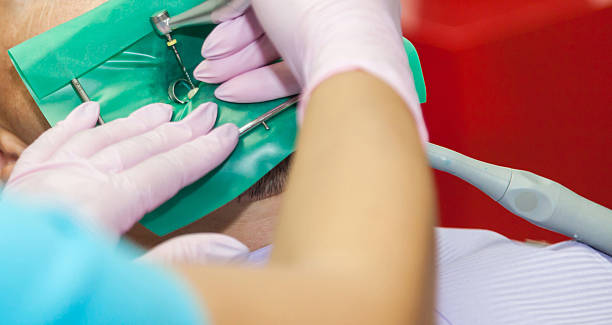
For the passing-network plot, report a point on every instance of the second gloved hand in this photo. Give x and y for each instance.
(112, 175)
(198, 249)
(317, 39)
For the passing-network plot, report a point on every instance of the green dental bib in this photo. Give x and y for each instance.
(122, 64)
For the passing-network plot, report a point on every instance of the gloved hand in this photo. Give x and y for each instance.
(198, 249)
(317, 39)
(113, 174)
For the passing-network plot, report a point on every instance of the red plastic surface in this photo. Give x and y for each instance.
(525, 84)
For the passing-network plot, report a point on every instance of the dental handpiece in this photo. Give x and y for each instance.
(160, 19)
(534, 198)
(204, 13)
(198, 15)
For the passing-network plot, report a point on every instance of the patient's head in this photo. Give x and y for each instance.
(21, 20)
(24, 19)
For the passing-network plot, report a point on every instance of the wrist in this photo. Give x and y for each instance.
(368, 39)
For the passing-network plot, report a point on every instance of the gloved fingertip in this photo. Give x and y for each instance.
(225, 247)
(203, 117)
(86, 111)
(210, 48)
(198, 249)
(202, 72)
(226, 93)
(229, 132)
(208, 105)
(156, 111)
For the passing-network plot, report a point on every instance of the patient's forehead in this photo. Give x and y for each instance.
(22, 20)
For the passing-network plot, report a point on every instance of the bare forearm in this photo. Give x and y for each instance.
(354, 244)
(360, 193)
(359, 174)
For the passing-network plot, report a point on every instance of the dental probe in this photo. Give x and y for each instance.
(198, 15)
(261, 120)
(536, 199)
(78, 88)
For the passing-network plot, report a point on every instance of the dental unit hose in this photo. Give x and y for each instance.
(536, 199)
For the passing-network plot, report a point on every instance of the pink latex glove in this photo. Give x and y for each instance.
(317, 39)
(113, 174)
(198, 249)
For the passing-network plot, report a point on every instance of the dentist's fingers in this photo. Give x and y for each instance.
(232, 36)
(81, 118)
(198, 249)
(254, 56)
(260, 85)
(233, 9)
(127, 153)
(158, 178)
(85, 144)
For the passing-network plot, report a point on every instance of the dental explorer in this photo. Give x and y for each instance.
(261, 120)
(78, 88)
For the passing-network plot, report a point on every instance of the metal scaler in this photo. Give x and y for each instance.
(78, 88)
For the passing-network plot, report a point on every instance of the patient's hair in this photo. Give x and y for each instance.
(271, 184)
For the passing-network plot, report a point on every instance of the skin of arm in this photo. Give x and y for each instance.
(354, 243)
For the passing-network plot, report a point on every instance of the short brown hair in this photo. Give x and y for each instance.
(273, 183)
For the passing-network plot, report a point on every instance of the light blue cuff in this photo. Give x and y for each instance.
(55, 272)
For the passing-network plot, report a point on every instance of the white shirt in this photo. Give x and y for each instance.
(486, 278)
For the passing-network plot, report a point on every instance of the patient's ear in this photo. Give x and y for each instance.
(11, 148)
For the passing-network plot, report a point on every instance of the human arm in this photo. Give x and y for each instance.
(354, 242)
(373, 261)
(354, 238)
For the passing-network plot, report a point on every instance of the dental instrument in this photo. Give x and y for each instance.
(541, 201)
(172, 91)
(198, 15)
(160, 19)
(78, 88)
(164, 25)
(261, 120)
